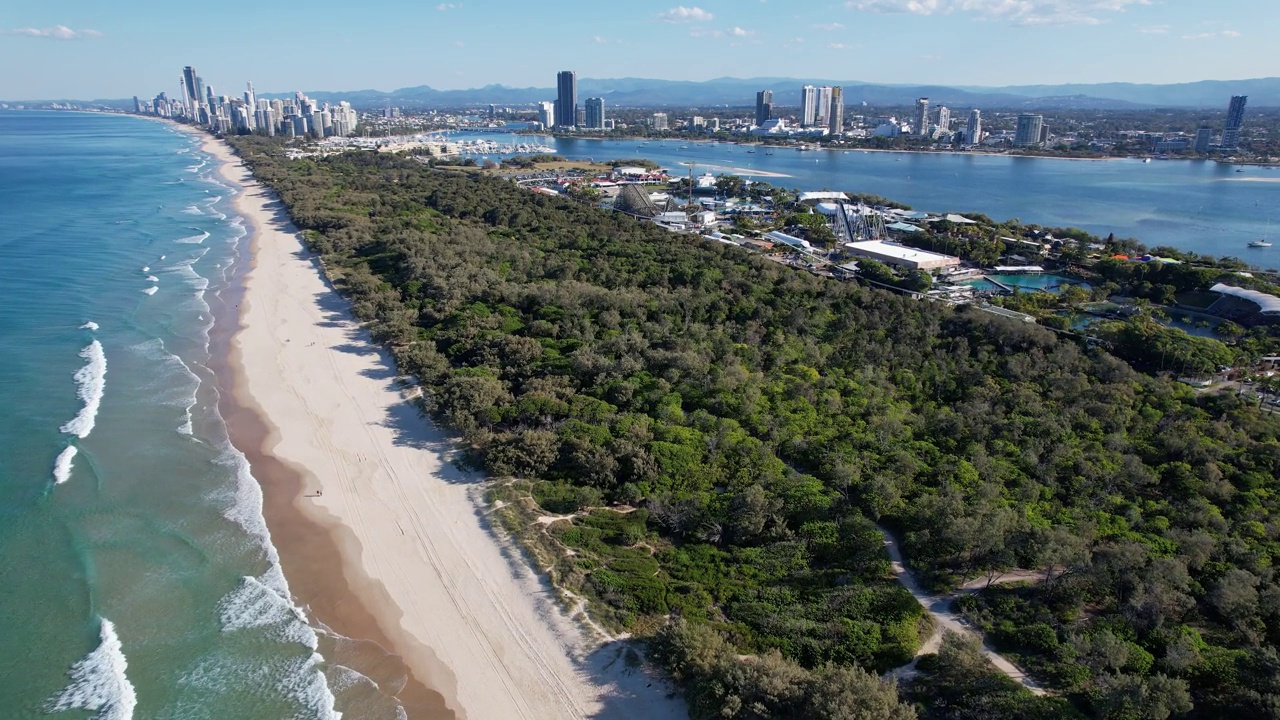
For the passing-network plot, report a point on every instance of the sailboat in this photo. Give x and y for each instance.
(1264, 242)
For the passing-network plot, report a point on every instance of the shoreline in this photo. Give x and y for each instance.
(305, 543)
(396, 556)
(756, 142)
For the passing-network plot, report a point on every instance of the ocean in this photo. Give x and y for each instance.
(137, 577)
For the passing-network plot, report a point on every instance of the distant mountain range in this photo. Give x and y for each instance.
(741, 92)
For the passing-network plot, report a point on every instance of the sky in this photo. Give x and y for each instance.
(89, 49)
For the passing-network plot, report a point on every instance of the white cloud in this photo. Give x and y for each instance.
(682, 14)
(1153, 29)
(829, 26)
(1212, 35)
(915, 7)
(442, 7)
(1018, 12)
(57, 32)
(739, 32)
(705, 33)
(839, 46)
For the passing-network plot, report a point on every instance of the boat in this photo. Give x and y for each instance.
(1264, 242)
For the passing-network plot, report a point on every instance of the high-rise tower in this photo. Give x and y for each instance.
(595, 113)
(764, 106)
(194, 92)
(973, 134)
(566, 99)
(922, 117)
(808, 105)
(1235, 120)
(823, 116)
(1030, 128)
(835, 115)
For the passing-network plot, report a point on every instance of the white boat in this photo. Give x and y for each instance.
(1264, 242)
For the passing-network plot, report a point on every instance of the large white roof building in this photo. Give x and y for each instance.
(1268, 304)
(902, 256)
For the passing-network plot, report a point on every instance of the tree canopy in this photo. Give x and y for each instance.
(762, 421)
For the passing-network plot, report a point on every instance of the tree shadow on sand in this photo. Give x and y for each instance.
(628, 688)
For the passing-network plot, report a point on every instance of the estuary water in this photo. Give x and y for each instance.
(1194, 205)
(137, 577)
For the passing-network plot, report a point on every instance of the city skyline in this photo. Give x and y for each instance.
(821, 113)
(86, 51)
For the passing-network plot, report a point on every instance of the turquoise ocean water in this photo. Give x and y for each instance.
(136, 574)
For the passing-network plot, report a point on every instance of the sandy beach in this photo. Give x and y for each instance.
(382, 539)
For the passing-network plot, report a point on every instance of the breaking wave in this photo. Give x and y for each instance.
(62, 464)
(98, 681)
(92, 382)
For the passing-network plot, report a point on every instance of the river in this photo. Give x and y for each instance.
(1194, 205)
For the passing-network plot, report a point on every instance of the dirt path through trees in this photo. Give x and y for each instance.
(939, 606)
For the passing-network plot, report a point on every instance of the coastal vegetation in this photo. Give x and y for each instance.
(716, 442)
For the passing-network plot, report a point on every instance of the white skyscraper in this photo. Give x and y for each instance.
(824, 106)
(944, 120)
(808, 105)
(922, 117)
(973, 134)
(547, 114)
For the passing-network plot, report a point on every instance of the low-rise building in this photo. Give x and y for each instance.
(902, 256)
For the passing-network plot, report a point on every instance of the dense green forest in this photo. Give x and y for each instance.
(751, 425)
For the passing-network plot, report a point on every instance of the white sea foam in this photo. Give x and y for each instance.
(265, 601)
(91, 325)
(192, 279)
(98, 682)
(193, 239)
(175, 383)
(62, 465)
(151, 290)
(300, 678)
(92, 382)
(192, 210)
(255, 605)
(152, 278)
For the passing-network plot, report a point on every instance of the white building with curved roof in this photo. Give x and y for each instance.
(1268, 305)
